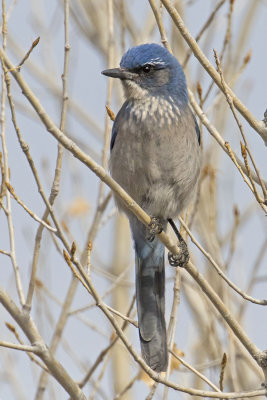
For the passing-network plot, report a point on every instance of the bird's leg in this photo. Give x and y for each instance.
(154, 228)
(182, 258)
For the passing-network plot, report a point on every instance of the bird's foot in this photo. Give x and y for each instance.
(154, 228)
(181, 259)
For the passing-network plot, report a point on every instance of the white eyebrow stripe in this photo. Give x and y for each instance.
(157, 61)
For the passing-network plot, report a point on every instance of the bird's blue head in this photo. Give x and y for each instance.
(150, 69)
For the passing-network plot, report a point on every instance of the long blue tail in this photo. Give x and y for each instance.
(150, 296)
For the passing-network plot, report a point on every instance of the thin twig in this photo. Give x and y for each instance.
(246, 147)
(103, 353)
(111, 44)
(6, 167)
(225, 43)
(195, 371)
(6, 253)
(34, 216)
(173, 320)
(158, 19)
(22, 347)
(127, 387)
(216, 135)
(2, 187)
(17, 336)
(27, 55)
(131, 321)
(100, 376)
(203, 29)
(219, 270)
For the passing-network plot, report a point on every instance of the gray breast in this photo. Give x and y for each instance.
(155, 157)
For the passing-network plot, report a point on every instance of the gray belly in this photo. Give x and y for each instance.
(158, 169)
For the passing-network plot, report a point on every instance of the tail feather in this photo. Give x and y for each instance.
(150, 295)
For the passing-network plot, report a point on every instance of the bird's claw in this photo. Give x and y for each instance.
(154, 228)
(181, 259)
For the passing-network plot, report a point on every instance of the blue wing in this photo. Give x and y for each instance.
(122, 114)
(197, 130)
(113, 136)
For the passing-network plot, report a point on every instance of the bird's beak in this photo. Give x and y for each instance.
(119, 73)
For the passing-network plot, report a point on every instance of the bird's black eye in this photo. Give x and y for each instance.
(146, 68)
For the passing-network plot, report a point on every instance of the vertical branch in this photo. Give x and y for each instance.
(123, 24)
(110, 85)
(56, 181)
(8, 210)
(102, 201)
(228, 33)
(120, 299)
(158, 19)
(120, 361)
(173, 321)
(225, 42)
(65, 97)
(54, 192)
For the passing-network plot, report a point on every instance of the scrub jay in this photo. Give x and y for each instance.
(155, 157)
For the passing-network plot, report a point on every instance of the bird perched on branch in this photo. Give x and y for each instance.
(155, 157)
